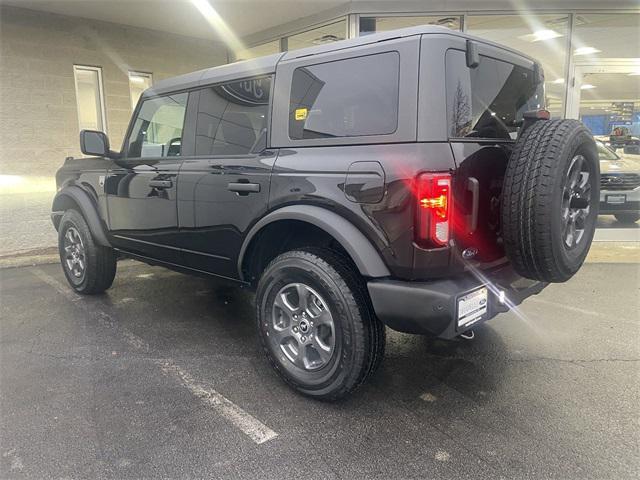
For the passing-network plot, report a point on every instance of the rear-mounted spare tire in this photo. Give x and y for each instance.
(550, 200)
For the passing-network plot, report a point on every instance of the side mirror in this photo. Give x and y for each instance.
(95, 143)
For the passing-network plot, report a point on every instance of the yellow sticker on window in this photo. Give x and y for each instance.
(301, 113)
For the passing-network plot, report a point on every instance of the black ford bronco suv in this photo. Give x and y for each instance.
(409, 178)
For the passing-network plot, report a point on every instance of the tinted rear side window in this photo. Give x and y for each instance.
(345, 98)
(488, 101)
(232, 117)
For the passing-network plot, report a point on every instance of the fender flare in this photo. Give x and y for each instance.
(88, 210)
(359, 248)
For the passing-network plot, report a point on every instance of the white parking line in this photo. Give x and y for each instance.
(252, 427)
(565, 307)
(249, 425)
(56, 285)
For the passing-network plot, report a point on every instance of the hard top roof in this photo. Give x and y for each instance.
(267, 65)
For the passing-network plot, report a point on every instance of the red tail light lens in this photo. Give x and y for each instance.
(433, 209)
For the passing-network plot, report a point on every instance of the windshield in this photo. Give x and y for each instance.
(604, 153)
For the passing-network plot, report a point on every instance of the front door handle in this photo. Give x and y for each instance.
(160, 184)
(243, 188)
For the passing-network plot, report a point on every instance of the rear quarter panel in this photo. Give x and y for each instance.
(318, 175)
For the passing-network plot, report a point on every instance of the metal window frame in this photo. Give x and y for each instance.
(349, 19)
(139, 73)
(615, 65)
(354, 15)
(459, 14)
(342, 18)
(103, 108)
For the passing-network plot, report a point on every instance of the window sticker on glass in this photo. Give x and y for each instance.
(328, 101)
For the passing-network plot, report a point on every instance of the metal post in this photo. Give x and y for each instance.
(568, 74)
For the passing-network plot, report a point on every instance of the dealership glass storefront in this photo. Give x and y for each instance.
(591, 61)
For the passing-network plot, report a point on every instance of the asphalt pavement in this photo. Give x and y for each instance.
(162, 378)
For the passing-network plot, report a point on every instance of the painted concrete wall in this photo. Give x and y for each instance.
(38, 115)
(39, 122)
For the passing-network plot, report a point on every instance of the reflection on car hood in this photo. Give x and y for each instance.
(627, 164)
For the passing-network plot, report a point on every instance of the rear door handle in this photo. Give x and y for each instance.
(474, 187)
(243, 188)
(160, 184)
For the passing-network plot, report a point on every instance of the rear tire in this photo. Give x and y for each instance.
(332, 357)
(550, 200)
(89, 268)
(627, 217)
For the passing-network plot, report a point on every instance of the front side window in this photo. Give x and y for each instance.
(157, 130)
(345, 98)
(232, 117)
(488, 101)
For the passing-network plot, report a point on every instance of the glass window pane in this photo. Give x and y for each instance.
(157, 131)
(610, 107)
(541, 37)
(606, 36)
(488, 101)
(232, 118)
(138, 83)
(382, 24)
(330, 100)
(318, 36)
(262, 50)
(89, 98)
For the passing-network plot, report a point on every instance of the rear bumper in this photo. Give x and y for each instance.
(631, 202)
(627, 207)
(431, 307)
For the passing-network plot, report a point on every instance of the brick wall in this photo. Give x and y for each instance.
(38, 118)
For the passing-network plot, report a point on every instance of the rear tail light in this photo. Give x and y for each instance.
(433, 219)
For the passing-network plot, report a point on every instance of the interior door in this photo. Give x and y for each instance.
(224, 187)
(142, 191)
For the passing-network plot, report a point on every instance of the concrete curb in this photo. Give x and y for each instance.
(614, 252)
(40, 256)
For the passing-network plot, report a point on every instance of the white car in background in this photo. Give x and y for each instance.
(619, 184)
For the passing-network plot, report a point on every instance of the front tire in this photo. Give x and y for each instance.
(316, 324)
(88, 267)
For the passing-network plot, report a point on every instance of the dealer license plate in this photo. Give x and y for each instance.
(616, 199)
(472, 306)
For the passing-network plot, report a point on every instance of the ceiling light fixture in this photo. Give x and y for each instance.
(540, 35)
(326, 39)
(449, 22)
(558, 81)
(587, 86)
(586, 51)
